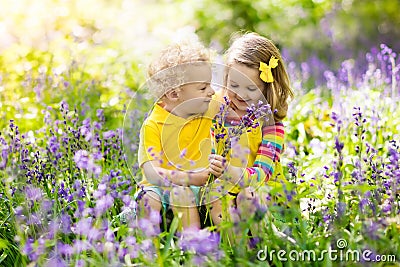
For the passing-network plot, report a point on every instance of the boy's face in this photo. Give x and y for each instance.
(195, 96)
(244, 86)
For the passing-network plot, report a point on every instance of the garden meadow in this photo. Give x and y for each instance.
(71, 108)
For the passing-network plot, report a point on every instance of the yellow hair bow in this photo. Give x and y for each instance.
(266, 73)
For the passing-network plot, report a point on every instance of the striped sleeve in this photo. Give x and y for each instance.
(267, 155)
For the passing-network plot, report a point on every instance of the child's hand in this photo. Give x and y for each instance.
(217, 164)
(217, 168)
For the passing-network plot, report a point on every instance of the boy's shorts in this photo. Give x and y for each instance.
(164, 194)
(130, 213)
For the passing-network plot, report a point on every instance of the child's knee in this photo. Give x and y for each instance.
(215, 208)
(246, 194)
(182, 196)
(150, 200)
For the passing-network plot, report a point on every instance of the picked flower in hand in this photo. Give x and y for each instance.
(224, 137)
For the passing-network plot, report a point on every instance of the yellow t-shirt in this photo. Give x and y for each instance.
(177, 143)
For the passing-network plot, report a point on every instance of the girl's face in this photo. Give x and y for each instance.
(244, 86)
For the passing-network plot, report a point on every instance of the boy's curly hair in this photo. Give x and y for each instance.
(166, 72)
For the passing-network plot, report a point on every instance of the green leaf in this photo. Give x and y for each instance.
(3, 257)
(170, 235)
(362, 188)
(3, 244)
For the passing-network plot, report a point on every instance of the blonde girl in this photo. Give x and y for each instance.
(255, 72)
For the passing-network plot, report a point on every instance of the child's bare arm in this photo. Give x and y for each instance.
(157, 175)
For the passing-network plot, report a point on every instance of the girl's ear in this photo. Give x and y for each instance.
(172, 95)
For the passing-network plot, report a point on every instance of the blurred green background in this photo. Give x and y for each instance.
(93, 53)
(331, 30)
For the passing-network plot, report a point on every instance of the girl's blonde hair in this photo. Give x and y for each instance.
(250, 49)
(166, 72)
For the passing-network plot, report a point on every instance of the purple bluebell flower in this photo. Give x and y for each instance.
(147, 248)
(155, 217)
(34, 219)
(66, 223)
(364, 202)
(33, 193)
(200, 242)
(64, 107)
(99, 247)
(133, 251)
(338, 145)
(97, 125)
(53, 144)
(101, 191)
(46, 206)
(86, 131)
(28, 249)
(394, 156)
(198, 260)
(84, 160)
(371, 229)
(103, 204)
(53, 228)
(254, 241)
(130, 240)
(327, 218)
(100, 114)
(64, 249)
(86, 123)
(108, 134)
(81, 159)
(93, 234)
(292, 169)
(81, 205)
(148, 228)
(109, 235)
(83, 226)
(341, 209)
(4, 156)
(56, 261)
(97, 155)
(80, 245)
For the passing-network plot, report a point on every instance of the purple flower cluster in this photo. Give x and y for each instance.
(252, 118)
(225, 136)
(202, 244)
(85, 161)
(4, 153)
(71, 182)
(359, 189)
